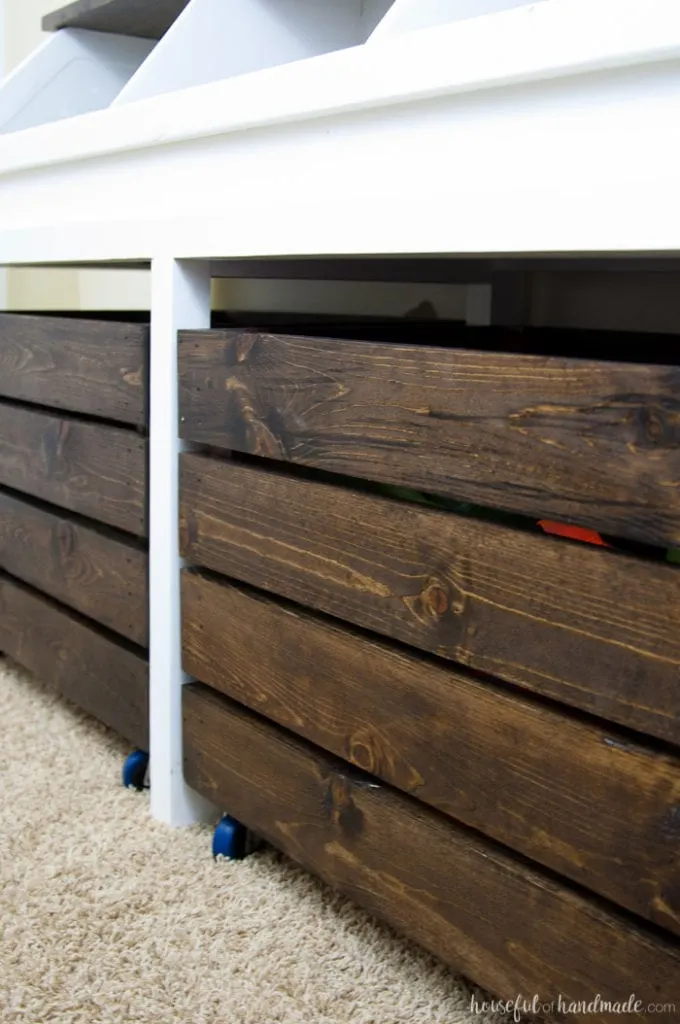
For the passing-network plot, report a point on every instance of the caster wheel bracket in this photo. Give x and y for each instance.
(135, 773)
(233, 840)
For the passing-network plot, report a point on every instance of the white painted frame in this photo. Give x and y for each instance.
(546, 129)
(180, 300)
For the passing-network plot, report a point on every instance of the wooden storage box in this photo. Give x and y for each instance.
(469, 727)
(73, 511)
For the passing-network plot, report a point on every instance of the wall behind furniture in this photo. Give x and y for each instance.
(20, 35)
(3, 272)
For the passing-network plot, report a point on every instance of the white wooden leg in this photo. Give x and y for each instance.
(180, 298)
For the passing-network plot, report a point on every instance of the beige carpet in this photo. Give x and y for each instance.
(107, 916)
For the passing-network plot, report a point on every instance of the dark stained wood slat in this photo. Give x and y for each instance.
(101, 576)
(102, 677)
(150, 19)
(593, 443)
(503, 924)
(576, 797)
(78, 365)
(578, 624)
(94, 469)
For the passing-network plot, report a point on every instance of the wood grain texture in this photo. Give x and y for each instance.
(94, 469)
(583, 800)
(78, 365)
(592, 443)
(149, 19)
(505, 925)
(578, 624)
(104, 678)
(100, 575)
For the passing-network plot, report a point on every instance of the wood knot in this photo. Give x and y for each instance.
(655, 425)
(458, 599)
(362, 752)
(257, 437)
(341, 809)
(435, 600)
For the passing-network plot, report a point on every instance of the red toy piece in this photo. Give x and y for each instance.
(573, 533)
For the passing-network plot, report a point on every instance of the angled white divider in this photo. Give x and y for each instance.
(215, 39)
(73, 72)
(411, 15)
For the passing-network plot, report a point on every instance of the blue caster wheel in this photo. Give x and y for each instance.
(136, 771)
(233, 840)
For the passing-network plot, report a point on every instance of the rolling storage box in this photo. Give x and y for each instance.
(471, 729)
(73, 519)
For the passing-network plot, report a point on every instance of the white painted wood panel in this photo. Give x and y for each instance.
(71, 73)
(412, 15)
(529, 170)
(551, 128)
(180, 299)
(217, 39)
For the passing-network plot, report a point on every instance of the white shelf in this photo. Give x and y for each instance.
(545, 129)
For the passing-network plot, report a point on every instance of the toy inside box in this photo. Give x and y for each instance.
(581, 534)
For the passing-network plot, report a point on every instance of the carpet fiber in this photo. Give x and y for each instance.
(107, 916)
